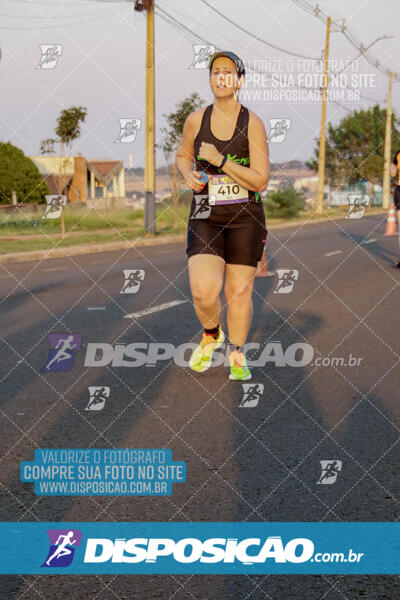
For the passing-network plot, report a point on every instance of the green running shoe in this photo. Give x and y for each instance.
(202, 355)
(238, 365)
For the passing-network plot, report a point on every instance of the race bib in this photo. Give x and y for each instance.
(223, 190)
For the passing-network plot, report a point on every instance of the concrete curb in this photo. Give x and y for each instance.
(96, 247)
(93, 248)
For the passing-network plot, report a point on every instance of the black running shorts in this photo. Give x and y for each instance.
(396, 197)
(235, 232)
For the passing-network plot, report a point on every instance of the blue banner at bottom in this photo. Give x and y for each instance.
(200, 548)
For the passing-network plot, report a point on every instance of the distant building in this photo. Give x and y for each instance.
(307, 184)
(82, 180)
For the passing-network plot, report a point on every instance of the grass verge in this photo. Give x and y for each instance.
(23, 233)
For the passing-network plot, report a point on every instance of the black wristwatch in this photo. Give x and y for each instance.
(223, 161)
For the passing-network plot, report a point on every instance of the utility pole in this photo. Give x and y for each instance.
(388, 143)
(149, 170)
(322, 139)
(149, 174)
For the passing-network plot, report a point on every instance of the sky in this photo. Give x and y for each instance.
(100, 65)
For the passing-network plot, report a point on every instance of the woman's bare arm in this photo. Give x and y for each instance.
(185, 155)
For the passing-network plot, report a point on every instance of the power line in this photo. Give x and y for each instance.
(177, 24)
(255, 36)
(56, 25)
(166, 17)
(342, 106)
(181, 27)
(318, 12)
(44, 17)
(54, 3)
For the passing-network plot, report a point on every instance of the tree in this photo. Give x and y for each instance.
(68, 129)
(20, 174)
(285, 202)
(47, 146)
(355, 147)
(172, 137)
(69, 125)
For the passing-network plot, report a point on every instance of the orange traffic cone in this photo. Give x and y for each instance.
(262, 266)
(391, 228)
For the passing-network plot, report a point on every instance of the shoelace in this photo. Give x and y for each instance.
(207, 339)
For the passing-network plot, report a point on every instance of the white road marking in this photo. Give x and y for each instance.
(96, 308)
(333, 253)
(154, 309)
(369, 241)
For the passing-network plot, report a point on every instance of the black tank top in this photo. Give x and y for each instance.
(236, 149)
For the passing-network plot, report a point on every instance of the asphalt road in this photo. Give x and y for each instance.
(257, 464)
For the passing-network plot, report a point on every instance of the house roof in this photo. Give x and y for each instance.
(104, 170)
(53, 181)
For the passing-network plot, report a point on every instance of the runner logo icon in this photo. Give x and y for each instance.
(202, 53)
(330, 470)
(128, 130)
(287, 277)
(251, 394)
(98, 396)
(62, 351)
(203, 208)
(63, 543)
(279, 129)
(50, 55)
(55, 204)
(133, 279)
(357, 206)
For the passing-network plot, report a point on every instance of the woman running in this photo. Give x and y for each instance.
(394, 170)
(226, 230)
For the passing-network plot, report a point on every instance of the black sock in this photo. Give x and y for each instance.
(233, 347)
(214, 331)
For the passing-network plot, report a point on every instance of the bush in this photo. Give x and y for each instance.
(19, 173)
(285, 203)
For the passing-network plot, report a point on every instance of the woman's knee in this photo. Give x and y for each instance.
(204, 294)
(238, 294)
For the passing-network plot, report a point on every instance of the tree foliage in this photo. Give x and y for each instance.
(68, 129)
(172, 135)
(355, 147)
(18, 173)
(47, 146)
(286, 202)
(176, 120)
(69, 124)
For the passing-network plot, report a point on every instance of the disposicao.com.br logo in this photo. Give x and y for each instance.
(139, 354)
(199, 547)
(191, 550)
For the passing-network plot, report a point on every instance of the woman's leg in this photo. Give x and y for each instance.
(206, 276)
(238, 292)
